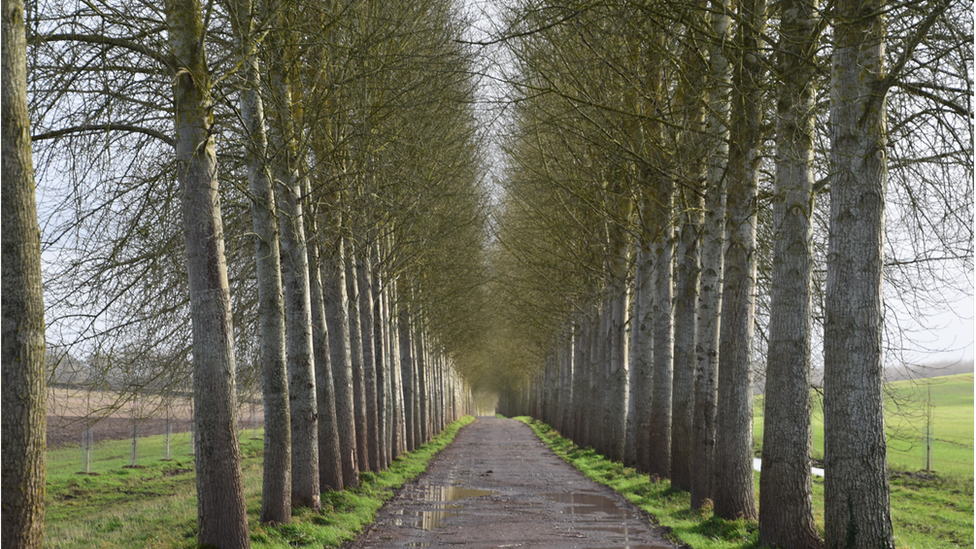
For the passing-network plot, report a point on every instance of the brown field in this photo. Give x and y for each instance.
(111, 415)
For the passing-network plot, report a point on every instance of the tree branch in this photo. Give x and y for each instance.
(109, 41)
(93, 128)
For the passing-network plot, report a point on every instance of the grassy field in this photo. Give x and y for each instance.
(929, 512)
(154, 505)
(907, 406)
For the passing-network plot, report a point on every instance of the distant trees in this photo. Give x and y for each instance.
(24, 368)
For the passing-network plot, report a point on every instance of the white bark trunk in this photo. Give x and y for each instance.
(856, 493)
(785, 486)
(734, 488)
(221, 512)
(712, 261)
(276, 482)
(337, 319)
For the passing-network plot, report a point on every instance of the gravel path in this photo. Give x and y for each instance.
(497, 485)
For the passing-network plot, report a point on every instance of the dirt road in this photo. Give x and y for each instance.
(497, 485)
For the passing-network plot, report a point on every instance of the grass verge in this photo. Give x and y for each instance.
(154, 505)
(927, 512)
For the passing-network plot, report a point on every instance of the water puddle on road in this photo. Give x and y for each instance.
(581, 503)
(435, 494)
(439, 496)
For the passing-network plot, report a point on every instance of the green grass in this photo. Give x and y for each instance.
(906, 405)
(927, 513)
(155, 505)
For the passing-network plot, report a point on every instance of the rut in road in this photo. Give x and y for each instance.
(498, 485)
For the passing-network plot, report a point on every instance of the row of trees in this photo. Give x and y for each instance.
(682, 173)
(299, 179)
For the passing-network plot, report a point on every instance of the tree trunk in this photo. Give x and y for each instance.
(398, 427)
(276, 482)
(734, 480)
(370, 354)
(356, 352)
(298, 307)
(856, 493)
(423, 377)
(406, 367)
(381, 344)
(712, 261)
(330, 450)
(617, 343)
(785, 491)
(682, 390)
(662, 309)
(579, 378)
(566, 384)
(644, 353)
(221, 511)
(337, 319)
(24, 364)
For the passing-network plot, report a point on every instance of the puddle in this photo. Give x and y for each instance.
(585, 504)
(425, 520)
(436, 517)
(452, 493)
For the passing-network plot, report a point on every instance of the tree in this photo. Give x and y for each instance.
(709, 314)
(733, 484)
(222, 516)
(287, 157)
(24, 368)
(785, 490)
(276, 497)
(856, 493)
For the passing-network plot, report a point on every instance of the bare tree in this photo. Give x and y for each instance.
(856, 492)
(733, 484)
(785, 486)
(222, 515)
(276, 497)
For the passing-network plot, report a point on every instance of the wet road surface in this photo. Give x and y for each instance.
(497, 485)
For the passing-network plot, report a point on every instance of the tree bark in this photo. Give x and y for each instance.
(407, 369)
(370, 354)
(734, 488)
(617, 344)
(421, 367)
(356, 352)
(337, 319)
(398, 428)
(856, 493)
(24, 364)
(644, 353)
(298, 308)
(221, 511)
(712, 260)
(330, 450)
(785, 489)
(276, 481)
(683, 386)
(662, 309)
(381, 342)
